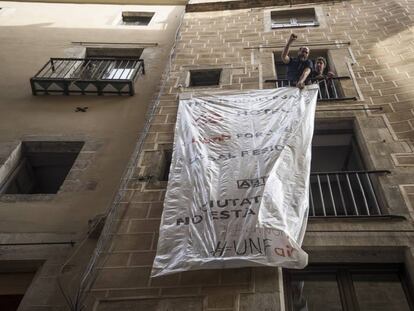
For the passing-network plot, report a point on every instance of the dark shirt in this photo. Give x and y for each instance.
(295, 68)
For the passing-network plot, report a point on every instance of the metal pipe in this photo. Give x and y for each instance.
(352, 194)
(352, 172)
(341, 194)
(330, 192)
(363, 194)
(293, 46)
(38, 243)
(311, 199)
(321, 194)
(373, 194)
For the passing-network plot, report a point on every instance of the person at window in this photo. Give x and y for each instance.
(318, 72)
(323, 78)
(298, 68)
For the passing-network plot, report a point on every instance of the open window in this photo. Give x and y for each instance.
(340, 184)
(363, 287)
(39, 167)
(294, 18)
(136, 18)
(338, 87)
(205, 77)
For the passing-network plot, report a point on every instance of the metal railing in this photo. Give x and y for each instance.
(87, 75)
(343, 193)
(329, 89)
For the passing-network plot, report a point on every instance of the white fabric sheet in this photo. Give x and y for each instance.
(238, 187)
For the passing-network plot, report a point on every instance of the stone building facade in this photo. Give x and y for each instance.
(359, 260)
(372, 44)
(91, 136)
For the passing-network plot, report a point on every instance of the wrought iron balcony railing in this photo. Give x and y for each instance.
(87, 76)
(343, 193)
(329, 89)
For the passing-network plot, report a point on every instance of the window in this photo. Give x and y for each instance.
(122, 68)
(205, 77)
(15, 278)
(340, 87)
(166, 164)
(355, 287)
(103, 70)
(137, 18)
(294, 18)
(334, 148)
(340, 185)
(39, 167)
(12, 289)
(105, 52)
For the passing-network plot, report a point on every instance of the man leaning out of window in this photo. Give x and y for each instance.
(298, 68)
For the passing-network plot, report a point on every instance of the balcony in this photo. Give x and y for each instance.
(344, 194)
(84, 76)
(329, 89)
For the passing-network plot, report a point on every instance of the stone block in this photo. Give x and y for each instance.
(235, 276)
(147, 225)
(201, 277)
(260, 301)
(142, 258)
(220, 301)
(171, 304)
(122, 277)
(132, 242)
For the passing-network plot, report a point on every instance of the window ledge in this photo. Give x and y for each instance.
(363, 217)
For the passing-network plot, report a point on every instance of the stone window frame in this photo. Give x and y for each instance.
(112, 52)
(183, 80)
(213, 77)
(319, 15)
(157, 167)
(352, 123)
(343, 273)
(73, 181)
(293, 16)
(125, 15)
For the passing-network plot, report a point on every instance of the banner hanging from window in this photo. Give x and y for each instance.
(238, 187)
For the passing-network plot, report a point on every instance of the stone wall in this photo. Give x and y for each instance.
(378, 58)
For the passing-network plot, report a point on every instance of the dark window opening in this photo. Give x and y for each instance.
(12, 289)
(41, 167)
(340, 184)
(205, 77)
(105, 52)
(334, 148)
(294, 18)
(137, 18)
(166, 164)
(348, 287)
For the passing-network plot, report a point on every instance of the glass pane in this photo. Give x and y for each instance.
(380, 292)
(315, 293)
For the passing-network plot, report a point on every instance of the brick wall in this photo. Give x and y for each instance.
(381, 40)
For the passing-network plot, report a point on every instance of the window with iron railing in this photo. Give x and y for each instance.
(97, 73)
(333, 88)
(340, 185)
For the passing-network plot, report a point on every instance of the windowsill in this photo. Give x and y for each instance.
(9, 198)
(293, 26)
(363, 218)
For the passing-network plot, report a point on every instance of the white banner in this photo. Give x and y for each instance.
(238, 187)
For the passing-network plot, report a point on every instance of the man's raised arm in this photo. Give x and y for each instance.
(285, 53)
